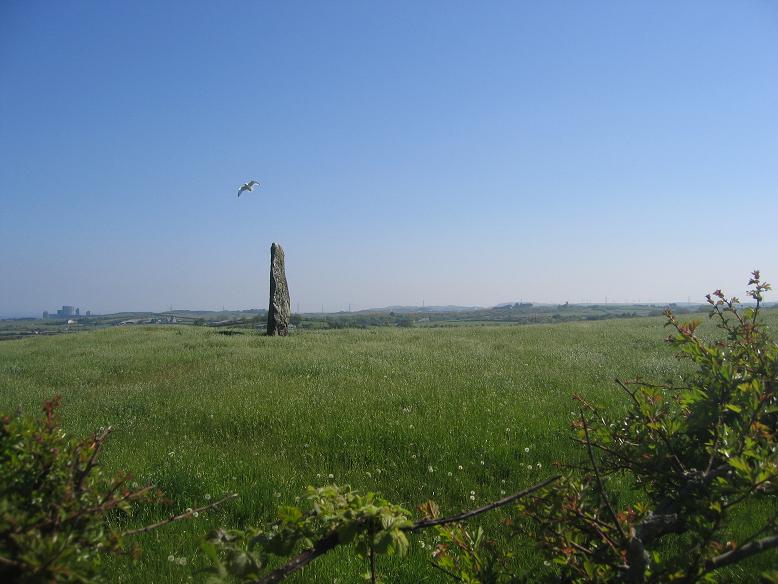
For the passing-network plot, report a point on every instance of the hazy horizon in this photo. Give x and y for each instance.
(448, 153)
(355, 309)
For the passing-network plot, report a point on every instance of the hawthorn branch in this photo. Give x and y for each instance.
(603, 492)
(738, 554)
(661, 435)
(81, 474)
(331, 540)
(9, 562)
(106, 505)
(321, 547)
(446, 572)
(426, 523)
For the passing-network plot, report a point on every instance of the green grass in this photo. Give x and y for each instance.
(201, 413)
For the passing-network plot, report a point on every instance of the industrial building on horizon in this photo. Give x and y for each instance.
(67, 312)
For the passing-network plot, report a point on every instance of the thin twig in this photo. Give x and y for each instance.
(172, 518)
(106, 505)
(446, 572)
(425, 523)
(594, 524)
(97, 444)
(599, 480)
(734, 556)
(661, 434)
(301, 560)
(8, 562)
(631, 394)
(372, 556)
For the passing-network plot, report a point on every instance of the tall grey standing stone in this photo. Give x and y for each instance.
(279, 313)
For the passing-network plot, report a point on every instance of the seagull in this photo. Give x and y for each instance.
(249, 186)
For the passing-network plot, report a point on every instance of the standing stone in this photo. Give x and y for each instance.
(279, 313)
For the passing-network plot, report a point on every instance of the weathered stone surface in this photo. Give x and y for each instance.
(280, 311)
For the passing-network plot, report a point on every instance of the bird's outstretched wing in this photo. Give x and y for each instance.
(249, 186)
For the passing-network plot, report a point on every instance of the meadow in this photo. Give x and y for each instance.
(459, 415)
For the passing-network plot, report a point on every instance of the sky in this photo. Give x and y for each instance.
(449, 152)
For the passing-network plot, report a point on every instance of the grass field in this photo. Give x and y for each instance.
(412, 413)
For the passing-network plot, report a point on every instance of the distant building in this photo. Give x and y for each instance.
(67, 311)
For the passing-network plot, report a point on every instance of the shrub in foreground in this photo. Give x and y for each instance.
(55, 501)
(692, 453)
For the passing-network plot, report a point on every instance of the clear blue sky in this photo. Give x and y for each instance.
(455, 152)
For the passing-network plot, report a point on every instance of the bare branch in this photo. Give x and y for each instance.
(425, 523)
(603, 493)
(331, 540)
(446, 572)
(372, 557)
(738, 554)
(319, 548)
(97, 444)
(8, 562)
(106, 505)
(172, 518)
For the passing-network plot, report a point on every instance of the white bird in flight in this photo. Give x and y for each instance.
(249, 186)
